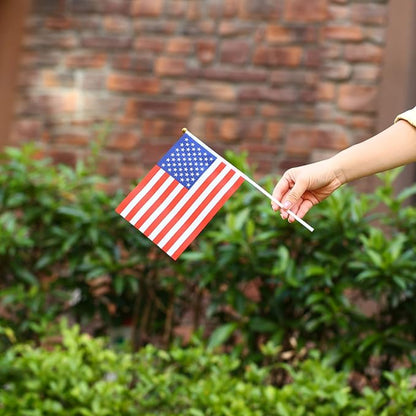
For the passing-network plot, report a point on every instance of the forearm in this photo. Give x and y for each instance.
(393, 147)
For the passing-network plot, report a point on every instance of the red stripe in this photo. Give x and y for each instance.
(147, 196)
(156, 204)
(136, 190)
(202, 204)
(207, 219)
(189, 203)
(165, 212)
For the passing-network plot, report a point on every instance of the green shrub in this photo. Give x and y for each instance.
(249, 276)
(84, 377)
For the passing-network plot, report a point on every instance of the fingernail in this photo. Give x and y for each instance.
(287, 204)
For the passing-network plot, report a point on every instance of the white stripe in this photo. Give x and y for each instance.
(151, 200)
(160, 208)
(184, 200)
(203, 214)
(189, 212)
(140, 195)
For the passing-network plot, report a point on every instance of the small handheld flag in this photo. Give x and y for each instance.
(182, 193)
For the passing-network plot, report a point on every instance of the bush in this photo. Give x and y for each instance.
(250, 277)
(83, 377)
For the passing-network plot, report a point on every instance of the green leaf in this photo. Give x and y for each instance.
(221, 335)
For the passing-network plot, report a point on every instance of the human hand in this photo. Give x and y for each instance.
(302, 187)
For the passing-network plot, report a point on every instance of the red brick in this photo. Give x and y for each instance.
(286, 94)
(302, 140)
(281, 34)
(337, 71)
(375, 14)
(362, 122)
(52, 103)
(306, 11)
(303, 77)
(105, 106)
(149, 44)
(72, 139)
(116, 6)
(123, 141)
(149, 8)
(193, 10)
(116, 24)
(160, 128)
(229, 129)
(86, 60)
(205, 51)
(212, 107)
(274, 131)
(269, 110)
(51, 40)
(134, 62)
(366, 72)
(178, 109)
(232, 75)
(59, 23)
(313, 57)
(176, 8)
(364, 53)
(230, 8)
(325, 91)
(44, 59)
(28, 129)
(332, 51)
(65, 157)
(259, 9)
(130, 83)
(170, 66)
(232, 28)
(52, 79)
(214, 90)
(341, 13)
(179, 46)
(108, 165)
(235, 52)
(251, 129)
(107, 41)
(198, 28)
(278, 56)
(357, 98)
(131, 172)
(93, 81)
(248, 110)
(155, 27)
(344, 33)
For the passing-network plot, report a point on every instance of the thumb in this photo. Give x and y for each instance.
(294, 194)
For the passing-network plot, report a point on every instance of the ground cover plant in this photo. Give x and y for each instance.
(80, 375)
(249, 280)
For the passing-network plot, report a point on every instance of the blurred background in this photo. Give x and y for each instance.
(288, 81)
(258, 317)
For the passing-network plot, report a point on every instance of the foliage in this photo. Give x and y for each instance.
(249, 278)
(62, 247)
(84, 377)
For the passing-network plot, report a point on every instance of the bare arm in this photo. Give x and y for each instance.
(305, 186)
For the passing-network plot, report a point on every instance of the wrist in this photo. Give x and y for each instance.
(337, 169)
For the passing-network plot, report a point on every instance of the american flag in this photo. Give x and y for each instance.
(180, 195)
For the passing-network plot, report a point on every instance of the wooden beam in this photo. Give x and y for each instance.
(12, 17)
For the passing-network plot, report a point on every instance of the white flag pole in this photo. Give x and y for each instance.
(258, 187)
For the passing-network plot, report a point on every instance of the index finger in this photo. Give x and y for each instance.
(280, 190)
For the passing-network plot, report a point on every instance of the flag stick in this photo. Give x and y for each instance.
(257, 186)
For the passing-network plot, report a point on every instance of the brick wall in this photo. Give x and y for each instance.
(289, 81)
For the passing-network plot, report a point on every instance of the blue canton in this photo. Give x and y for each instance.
(186, 161)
